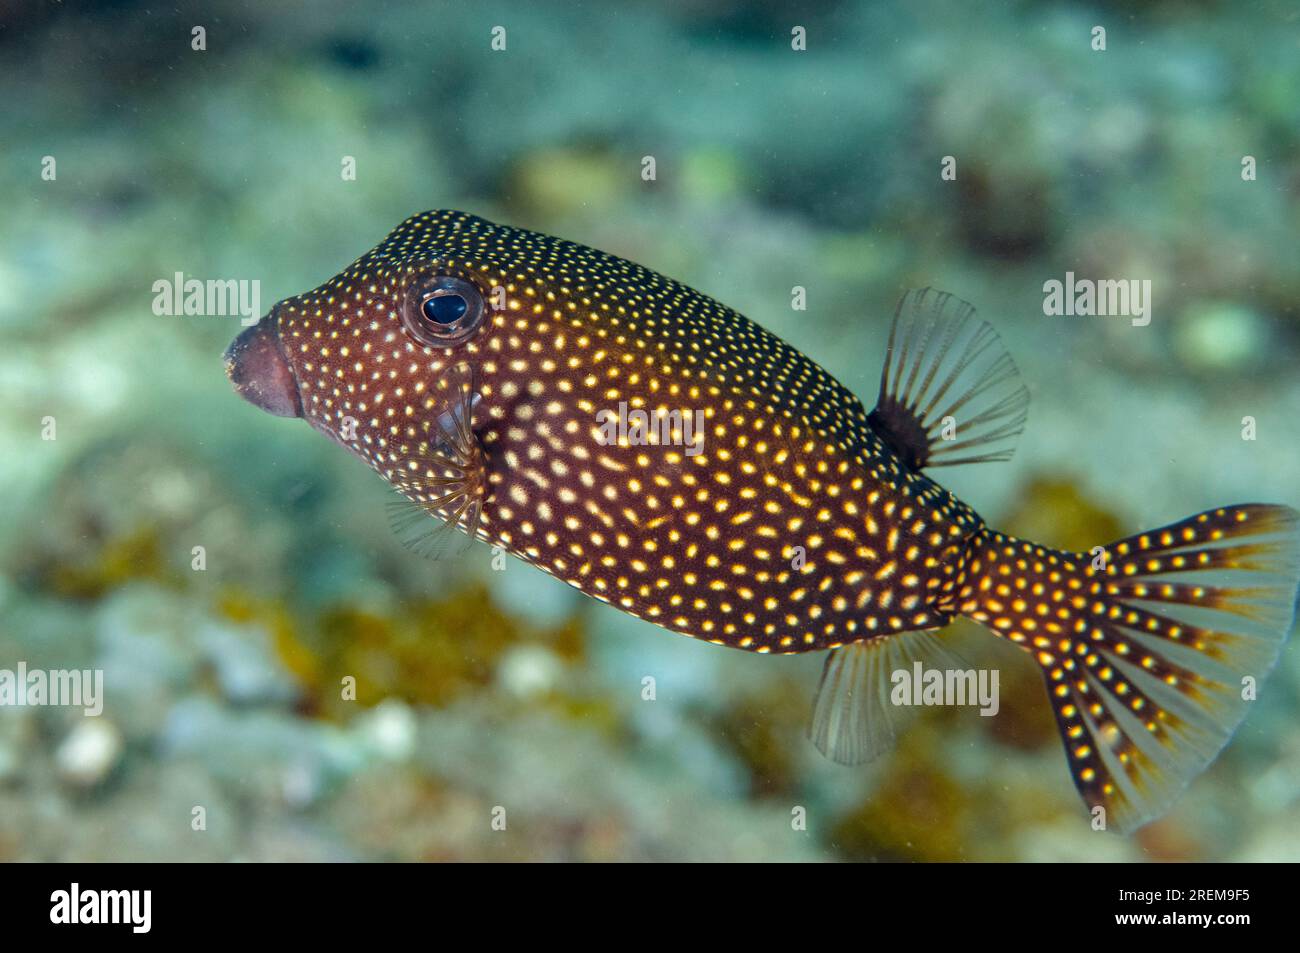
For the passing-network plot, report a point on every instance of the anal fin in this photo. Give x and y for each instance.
(854, 718)
(949, 391)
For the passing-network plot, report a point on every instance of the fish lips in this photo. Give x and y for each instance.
(259, 371)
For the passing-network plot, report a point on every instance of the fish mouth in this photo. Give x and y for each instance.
(259, 371)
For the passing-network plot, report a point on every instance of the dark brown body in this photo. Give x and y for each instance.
(793, 528)
(769, 538)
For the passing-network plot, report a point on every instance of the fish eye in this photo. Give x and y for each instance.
(440, 310)
(445, 308)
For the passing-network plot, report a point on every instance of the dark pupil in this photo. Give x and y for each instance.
(445, 309)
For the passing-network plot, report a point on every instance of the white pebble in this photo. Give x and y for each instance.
(89, 752)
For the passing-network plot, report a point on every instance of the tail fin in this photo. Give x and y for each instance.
(1150, 646)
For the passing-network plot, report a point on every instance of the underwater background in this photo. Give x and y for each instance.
(123, 447)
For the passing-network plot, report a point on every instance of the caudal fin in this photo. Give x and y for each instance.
(1152, 647)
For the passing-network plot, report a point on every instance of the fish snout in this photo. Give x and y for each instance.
(256, 366)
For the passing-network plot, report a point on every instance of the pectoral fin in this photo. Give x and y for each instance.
(450, 482)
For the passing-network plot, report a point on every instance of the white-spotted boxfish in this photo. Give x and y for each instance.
(476, 368)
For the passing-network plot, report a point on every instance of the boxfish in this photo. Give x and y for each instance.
(747, 498)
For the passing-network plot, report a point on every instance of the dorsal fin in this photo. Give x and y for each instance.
(948, 386)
